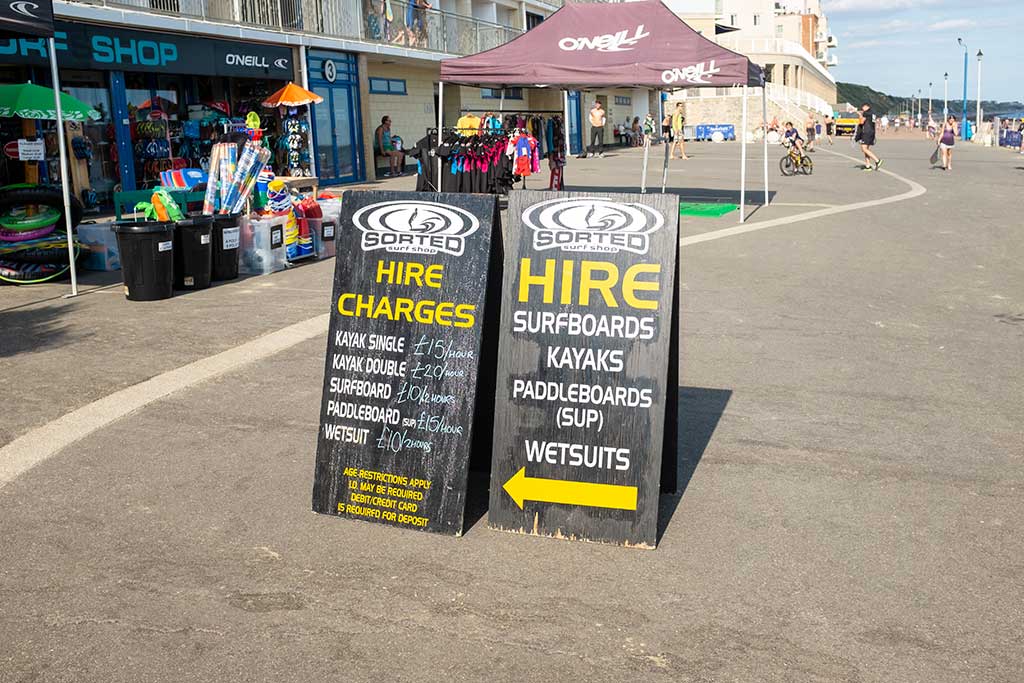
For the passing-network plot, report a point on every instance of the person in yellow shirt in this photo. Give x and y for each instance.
(678, 121)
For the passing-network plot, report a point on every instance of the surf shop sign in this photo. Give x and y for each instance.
(583, 380)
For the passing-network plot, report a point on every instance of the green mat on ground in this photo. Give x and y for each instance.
(706, 210)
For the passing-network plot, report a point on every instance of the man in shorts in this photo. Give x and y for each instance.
(830, 127)
(809, 129)
(866, 138)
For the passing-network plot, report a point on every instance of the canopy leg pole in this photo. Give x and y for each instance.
(668, 144)
(647, 152)
(565, 130)
(304, 65)
(440, 127)
(743, 160)
(63, 166)
(501, 103)
(764, 139)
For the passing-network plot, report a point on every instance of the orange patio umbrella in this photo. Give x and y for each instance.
(292, 95)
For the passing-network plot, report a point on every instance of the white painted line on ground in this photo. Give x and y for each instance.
(42, 443)
(32, 448)
(916, 190)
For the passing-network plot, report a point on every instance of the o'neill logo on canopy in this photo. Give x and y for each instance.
(591, 225)
(609, 42)
(695, 73)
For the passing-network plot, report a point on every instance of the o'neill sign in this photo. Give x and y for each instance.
(609, 42)
(698, 74)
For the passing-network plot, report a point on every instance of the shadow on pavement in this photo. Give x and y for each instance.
(699, 412)
(755, 195)
(25, 330)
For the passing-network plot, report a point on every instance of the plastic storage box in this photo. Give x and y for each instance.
(262, 244)
(100, 246)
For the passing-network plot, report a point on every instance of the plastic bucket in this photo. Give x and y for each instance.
(147, 259)
(226, 241)
(193, 252)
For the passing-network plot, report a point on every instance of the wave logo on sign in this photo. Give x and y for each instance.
(608, 42)
(414, 227)
(592, 225)
(695, 73)
(25, 8)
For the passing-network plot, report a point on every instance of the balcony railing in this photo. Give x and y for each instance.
(410, 26)
(774, 46)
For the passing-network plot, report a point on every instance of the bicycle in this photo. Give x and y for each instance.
(795, 161)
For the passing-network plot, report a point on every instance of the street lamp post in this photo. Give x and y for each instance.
(977, 117)
(963, 112)
(919, 108)
(945, 97)
(929, 101)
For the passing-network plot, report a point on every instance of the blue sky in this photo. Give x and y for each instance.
(898, 46)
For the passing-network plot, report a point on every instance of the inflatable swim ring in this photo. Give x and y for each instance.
(16, 273)
(21, 236)
(39, 195)
(20, 222)
(50, 249)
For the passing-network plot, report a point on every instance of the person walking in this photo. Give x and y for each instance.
(830, 127)
(598, 119)
(866, 138)
(811, 133)
(678, 121)
(946, 142)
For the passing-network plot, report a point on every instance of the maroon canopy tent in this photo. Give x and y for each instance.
(633, 44)
(591, 45)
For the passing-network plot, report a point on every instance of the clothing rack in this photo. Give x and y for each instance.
(514, 111)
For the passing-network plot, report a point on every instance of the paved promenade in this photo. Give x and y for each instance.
(852, 433)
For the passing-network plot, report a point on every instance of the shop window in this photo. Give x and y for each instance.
(624, 100)
(495, 93)
(388, 86)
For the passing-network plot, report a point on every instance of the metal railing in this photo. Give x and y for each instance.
(409, 25)
(783, 95)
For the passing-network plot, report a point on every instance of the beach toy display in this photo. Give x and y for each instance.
(33, 242)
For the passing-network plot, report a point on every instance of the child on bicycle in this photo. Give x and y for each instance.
(792, 135)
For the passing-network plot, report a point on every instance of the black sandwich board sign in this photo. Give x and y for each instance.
(403, 357)
(586, 348)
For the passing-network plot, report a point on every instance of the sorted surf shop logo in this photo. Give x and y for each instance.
(695, 73)
(608, 42)
(412, 227)
(592, 225)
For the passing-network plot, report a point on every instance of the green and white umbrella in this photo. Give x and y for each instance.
(30, 101)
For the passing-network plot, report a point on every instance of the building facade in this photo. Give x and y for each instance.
(167, 75)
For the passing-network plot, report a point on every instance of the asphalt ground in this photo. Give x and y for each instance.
(851, 432)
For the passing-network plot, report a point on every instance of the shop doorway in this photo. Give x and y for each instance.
(575, 132)
(337, 129)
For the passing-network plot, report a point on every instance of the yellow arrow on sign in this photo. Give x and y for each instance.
(522, 488)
